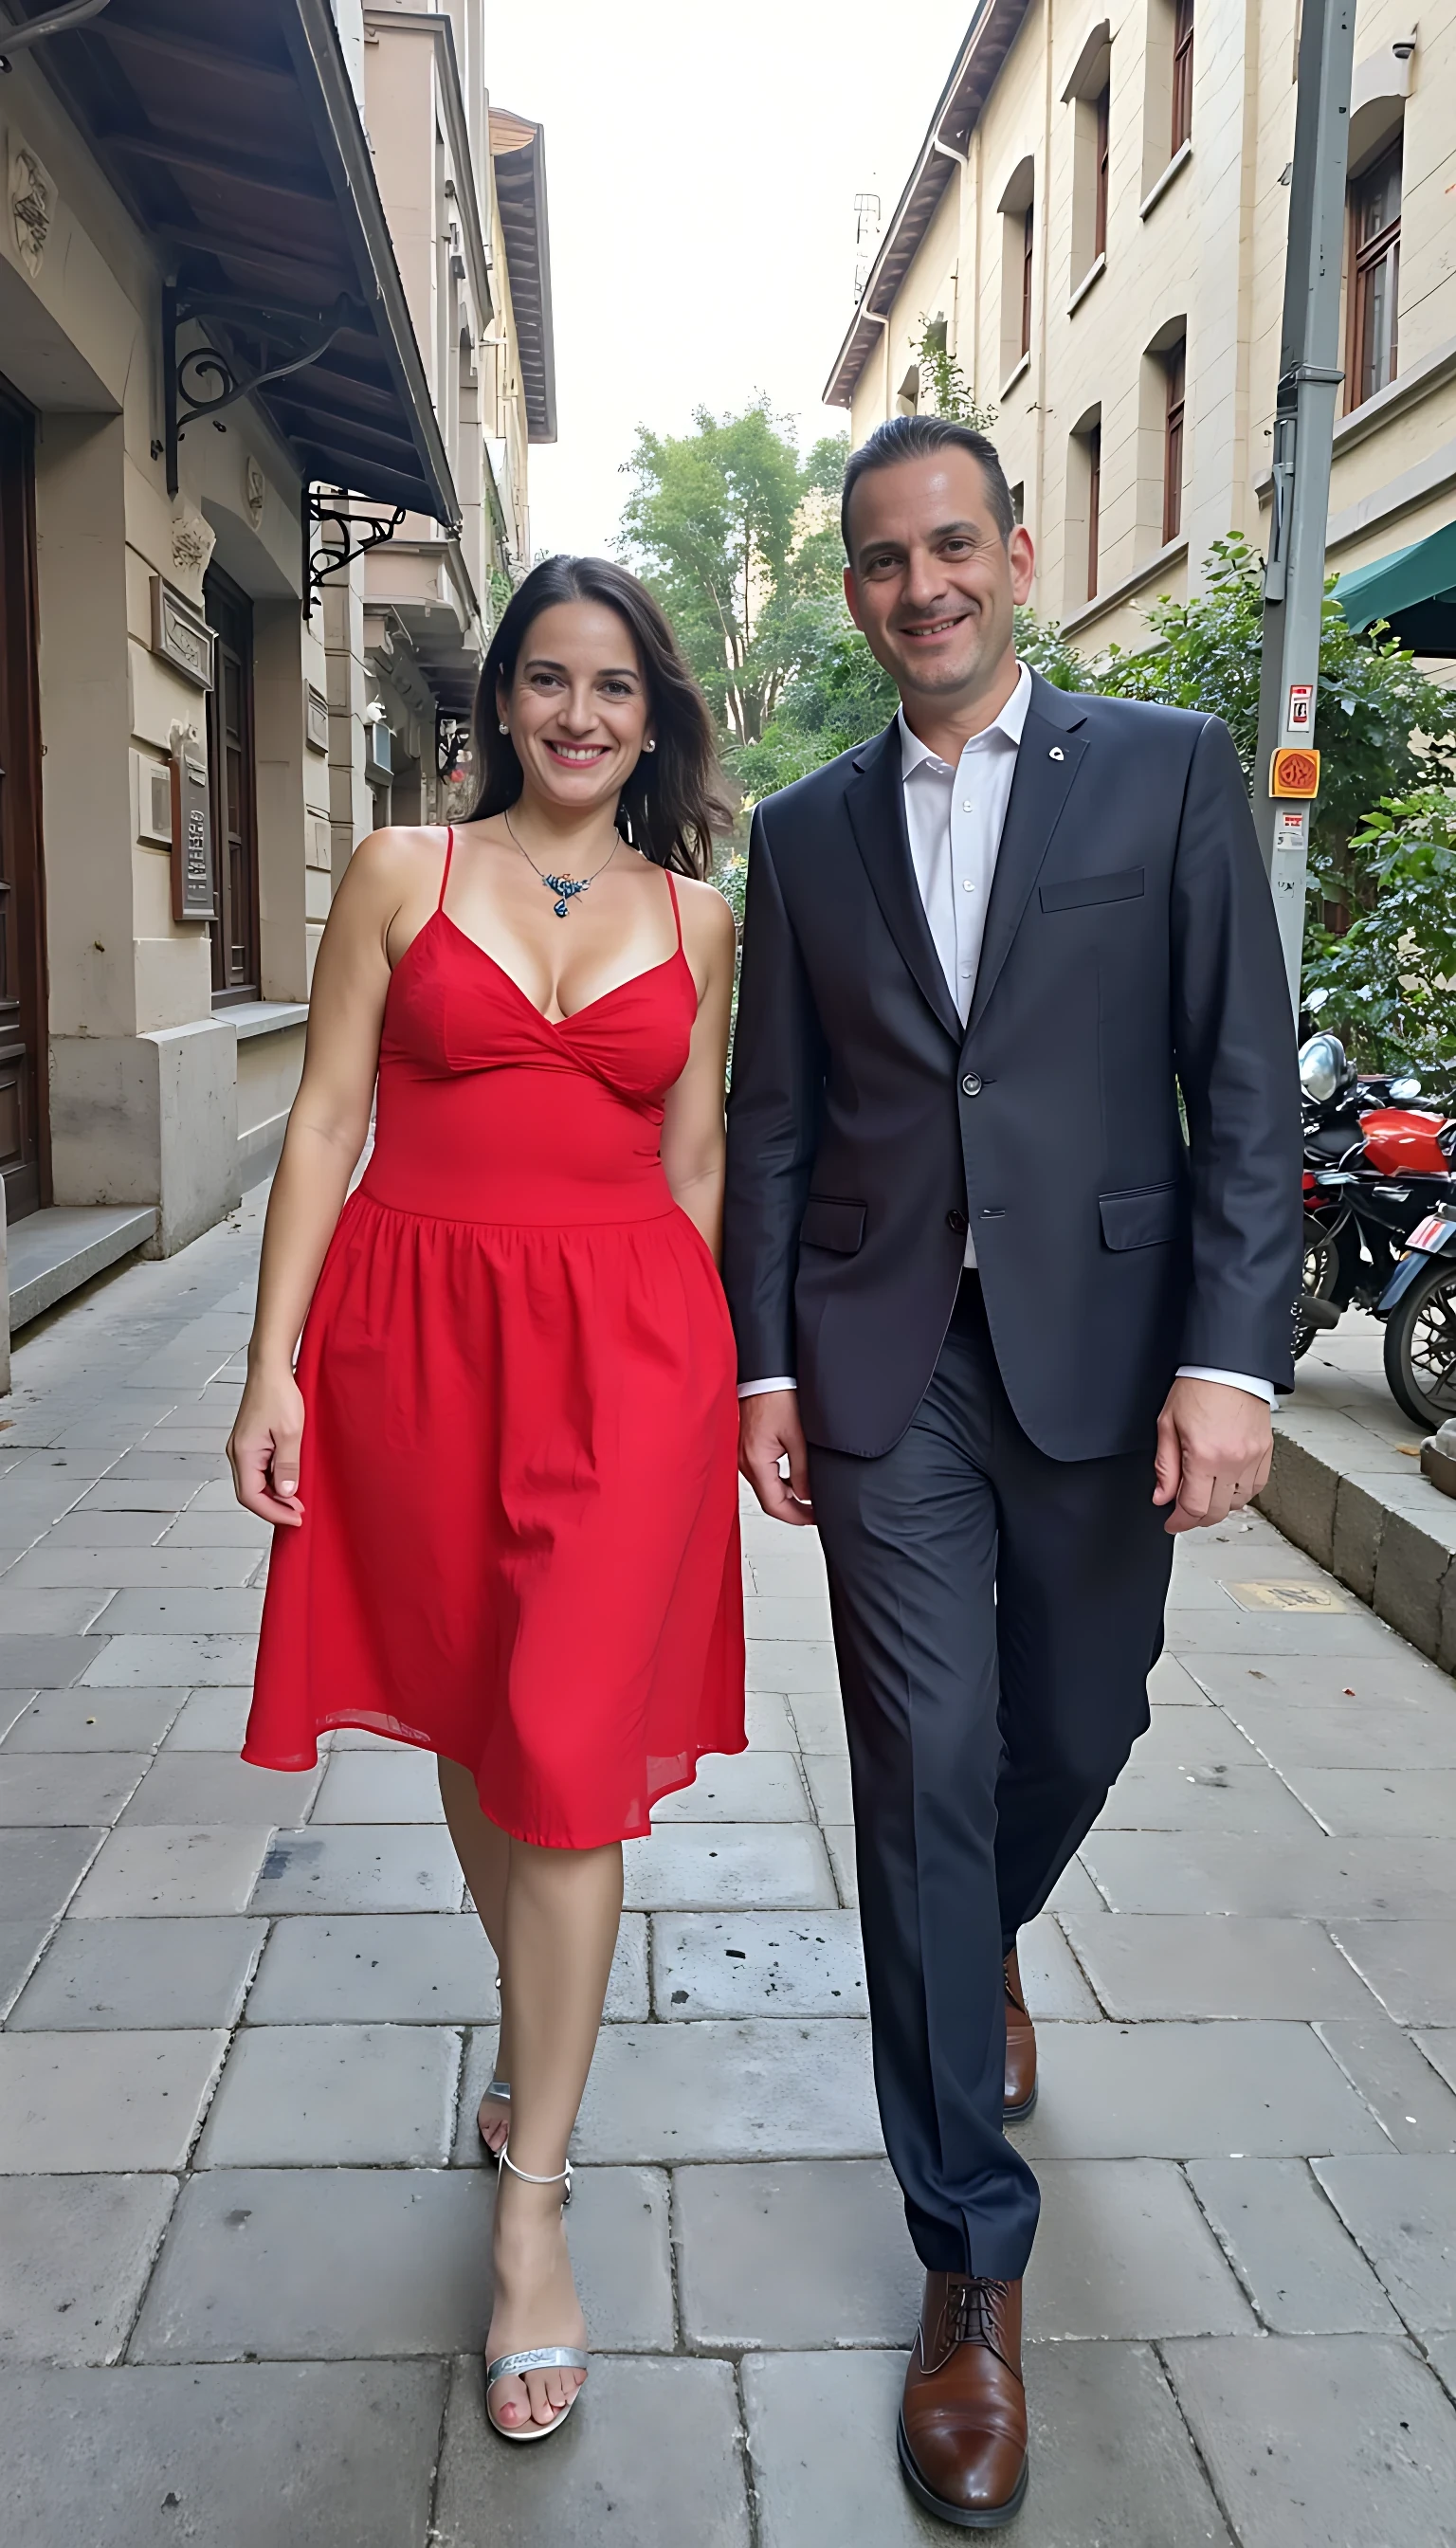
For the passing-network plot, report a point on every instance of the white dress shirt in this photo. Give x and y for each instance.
(955, 818)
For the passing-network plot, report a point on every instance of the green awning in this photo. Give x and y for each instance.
(1414, 589)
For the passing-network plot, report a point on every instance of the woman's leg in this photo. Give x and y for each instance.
(561, 1908)
(484, 1852)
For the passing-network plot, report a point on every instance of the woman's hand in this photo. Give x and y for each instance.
(263, 1448)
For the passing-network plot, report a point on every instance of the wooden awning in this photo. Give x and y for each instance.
(230, 132)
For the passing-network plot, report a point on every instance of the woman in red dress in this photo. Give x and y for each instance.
(503, 1474)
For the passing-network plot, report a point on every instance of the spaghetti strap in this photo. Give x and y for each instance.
(677, 914)
(445, 874)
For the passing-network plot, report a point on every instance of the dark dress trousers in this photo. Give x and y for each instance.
(981, 1445)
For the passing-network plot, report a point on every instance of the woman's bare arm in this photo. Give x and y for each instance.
(326, 1131)
(693, 1139)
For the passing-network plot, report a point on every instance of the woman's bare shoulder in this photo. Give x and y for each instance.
(708, 925)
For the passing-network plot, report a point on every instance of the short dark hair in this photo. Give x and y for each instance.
(674, 799)
(915, 437)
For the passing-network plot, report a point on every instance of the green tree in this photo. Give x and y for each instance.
(944, 388)
(734, 533)
(1376, 716)
(1391, 978)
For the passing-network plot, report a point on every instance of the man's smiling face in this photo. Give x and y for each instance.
(929, 580)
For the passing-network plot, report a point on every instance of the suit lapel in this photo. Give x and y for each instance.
(1046, 767)
(876, 799)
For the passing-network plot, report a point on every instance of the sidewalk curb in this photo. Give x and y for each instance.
(1389, 1537)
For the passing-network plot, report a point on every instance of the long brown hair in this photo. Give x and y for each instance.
(673, 799)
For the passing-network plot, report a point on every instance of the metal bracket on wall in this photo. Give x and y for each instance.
(18, 39)
(261, 344)
(358, 525)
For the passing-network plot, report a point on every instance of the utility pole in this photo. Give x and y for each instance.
(1309, 375)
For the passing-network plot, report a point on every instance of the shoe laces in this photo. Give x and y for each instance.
(975, 2313)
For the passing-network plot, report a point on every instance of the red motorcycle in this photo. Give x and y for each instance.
(1380, 1222)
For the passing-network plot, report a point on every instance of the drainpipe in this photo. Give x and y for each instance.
(885, 326)
(948, 150)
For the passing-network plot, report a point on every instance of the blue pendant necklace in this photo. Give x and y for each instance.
(565, 888)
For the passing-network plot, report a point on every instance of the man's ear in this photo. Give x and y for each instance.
(852, 597)
(1022, 559)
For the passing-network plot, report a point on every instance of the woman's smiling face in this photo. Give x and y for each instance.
(578, 707)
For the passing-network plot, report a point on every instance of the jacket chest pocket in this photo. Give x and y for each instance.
(1076, 894)
(830, 1222)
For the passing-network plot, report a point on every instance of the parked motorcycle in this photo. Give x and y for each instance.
(1380, 1222)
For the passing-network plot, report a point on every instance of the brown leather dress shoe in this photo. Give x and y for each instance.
(1021, 2049)
(963, 2438)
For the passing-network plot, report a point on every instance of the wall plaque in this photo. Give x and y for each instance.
(317, 720)
(180, 632)
(193, 894)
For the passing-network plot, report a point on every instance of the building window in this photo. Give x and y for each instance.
(1018, 261)
(232, 771)
(1018, 501)
(1094, 505)
(1175, 366)
(1100, 107)
(1375, 273)
(1027, 263)
(1182, 74)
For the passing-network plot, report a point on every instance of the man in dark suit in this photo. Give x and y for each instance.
(1007, 1318)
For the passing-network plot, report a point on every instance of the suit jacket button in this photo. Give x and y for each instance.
(970, 1086)
(956, 1221)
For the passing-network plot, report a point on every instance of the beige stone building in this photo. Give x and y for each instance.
(1098, 216)
(249, 256)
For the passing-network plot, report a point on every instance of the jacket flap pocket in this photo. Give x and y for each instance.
(1143, 1216)
(1073, 891)
(830, 1223)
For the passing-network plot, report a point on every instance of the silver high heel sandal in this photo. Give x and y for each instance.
(541, 2357)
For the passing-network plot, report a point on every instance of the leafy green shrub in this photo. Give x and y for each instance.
(1390, 980)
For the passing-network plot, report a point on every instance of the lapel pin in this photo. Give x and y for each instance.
(1057, 753)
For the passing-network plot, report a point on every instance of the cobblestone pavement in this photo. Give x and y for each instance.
(244, 2283)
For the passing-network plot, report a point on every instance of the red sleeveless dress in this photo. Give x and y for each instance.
(520, 1459)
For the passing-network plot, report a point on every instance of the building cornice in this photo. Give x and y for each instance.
(992, 31)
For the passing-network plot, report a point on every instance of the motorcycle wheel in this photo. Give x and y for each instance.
(1421, 1349)
(1320, 1274)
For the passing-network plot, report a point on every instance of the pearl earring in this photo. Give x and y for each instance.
(504, 728)
(649, 746)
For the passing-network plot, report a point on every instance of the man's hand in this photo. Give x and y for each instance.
(1215, 1447)
(768, 1430)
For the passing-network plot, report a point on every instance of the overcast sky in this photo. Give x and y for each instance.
(701, 170)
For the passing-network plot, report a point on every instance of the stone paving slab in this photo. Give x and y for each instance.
(57, 1787)
(41, 1868)
(407, 1969)
(188, 1661)
(129, 1973)
(188, 1786)
(1176, 2091)
(754, 1787)
(360, 1866)
(709, 1867)
(75, 2252)
(86, 1720)
(650, 2459)
(757, 1963)
(335, 2096)
(1403, 2217)
(1416, 1804)
(1290, 2248)
(1438, 2044)
(317, 2264)
(173, 2455)
(1112, 2464)
(1336, 2439)
(1315, 1878)
(172, 1867)
(73, 2103)
(394, 1784)
(782, 2254)
(1123, 2251)
(1410, 1966)
(94, 1562)
(1225, 1798)
(765, 2086)
(1401, 2088)
(216, 1720)
(1152, 1964)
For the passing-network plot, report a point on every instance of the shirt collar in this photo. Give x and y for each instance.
(914, 754)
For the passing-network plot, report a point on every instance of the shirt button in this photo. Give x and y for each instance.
(971, 1084)
(966, 806)
(956, 1222)
(967, 885)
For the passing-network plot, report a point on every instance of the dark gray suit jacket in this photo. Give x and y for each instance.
(1130, 953)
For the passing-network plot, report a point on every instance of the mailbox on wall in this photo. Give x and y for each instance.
(194, 894)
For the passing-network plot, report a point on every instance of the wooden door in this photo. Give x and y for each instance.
(24, 1159)
(232, 770)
